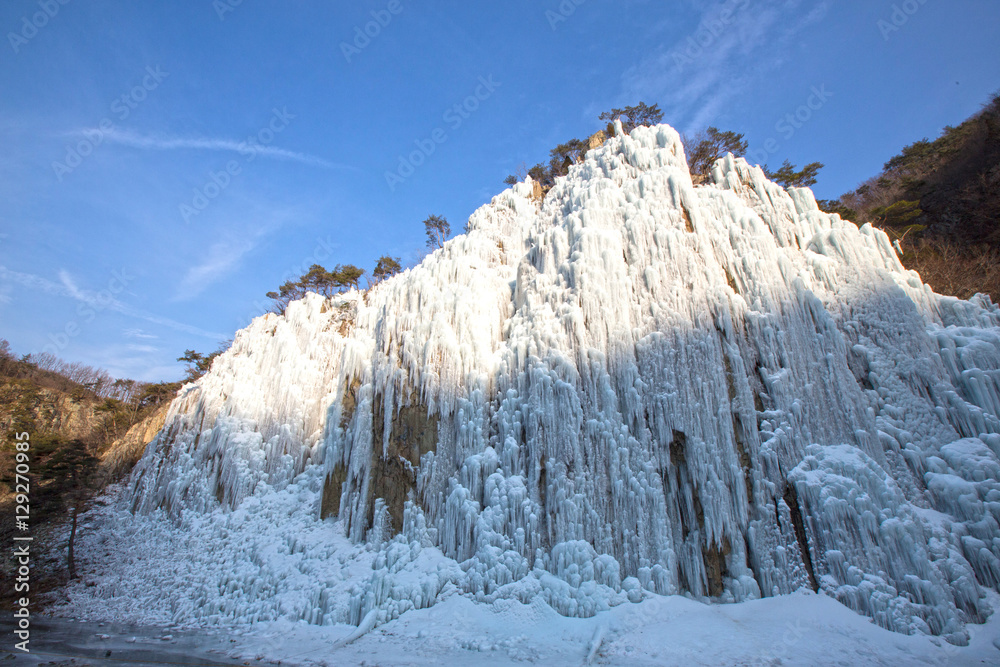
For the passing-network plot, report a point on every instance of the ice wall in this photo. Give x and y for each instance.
(634, 386)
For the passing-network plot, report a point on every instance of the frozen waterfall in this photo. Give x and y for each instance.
(635, 386)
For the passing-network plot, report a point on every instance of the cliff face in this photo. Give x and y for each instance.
(27, 407)
(126, 451)
(636, 386)
(40, 409)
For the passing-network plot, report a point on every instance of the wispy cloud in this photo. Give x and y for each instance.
(236, 240)
(66, 287)
(701, 72)
(139, 333)
(75, 292)
(223, 257)
(165, 143)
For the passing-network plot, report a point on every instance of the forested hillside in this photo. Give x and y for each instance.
(940, 200)
(84, 429)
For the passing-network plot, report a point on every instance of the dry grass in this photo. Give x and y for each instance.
(955, 269)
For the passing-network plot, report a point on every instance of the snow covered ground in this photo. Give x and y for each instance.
(132, 567)
(798, 629)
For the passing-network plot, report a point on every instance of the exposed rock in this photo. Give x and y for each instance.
(124, 452)
(49, 410)
(597, 140)
(394, 464)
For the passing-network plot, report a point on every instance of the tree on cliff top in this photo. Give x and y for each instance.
(317, 279)
(632, 117)
(788, 177)
(385, 267)
(438, 230)
(706, 147)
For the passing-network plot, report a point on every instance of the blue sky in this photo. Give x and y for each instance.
(166, 164)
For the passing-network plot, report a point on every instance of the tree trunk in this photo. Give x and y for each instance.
(72, 538)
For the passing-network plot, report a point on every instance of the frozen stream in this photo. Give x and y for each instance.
(60, 641)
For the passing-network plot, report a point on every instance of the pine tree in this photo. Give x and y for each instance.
(348, 275)
(319, 280)
(72, 473)
(633, 117)
(790, 178)
(705, 148)
(565, 155)
(438, 230)
(386, 267)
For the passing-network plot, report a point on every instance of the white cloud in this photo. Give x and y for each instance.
(73, 291)
(32, 281)
(98, 301)
(138, 333)
(700, 73)
(223, 258)
(164, 143)
(235, 242)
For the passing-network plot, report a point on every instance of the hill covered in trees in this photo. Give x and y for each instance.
(76, 428)
(940, 200)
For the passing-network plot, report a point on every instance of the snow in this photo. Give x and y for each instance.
(637, 388)
(797, 629)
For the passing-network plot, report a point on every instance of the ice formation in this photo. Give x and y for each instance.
(634, 386)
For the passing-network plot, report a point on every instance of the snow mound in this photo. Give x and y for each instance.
(634, 387)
